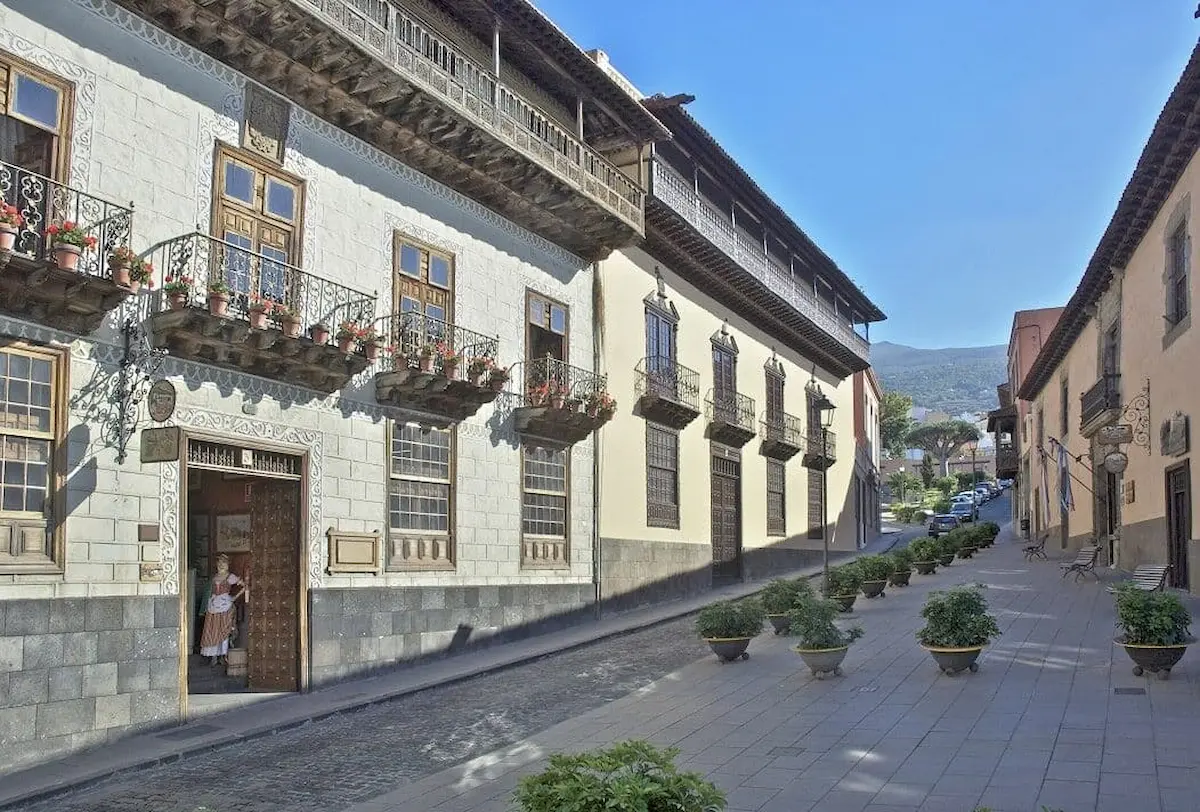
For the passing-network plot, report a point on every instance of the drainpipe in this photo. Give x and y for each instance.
(597, 340)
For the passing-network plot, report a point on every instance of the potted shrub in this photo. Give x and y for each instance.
(557, 394)
(347, 335)
(260, 310)
(627, 776)
(901, 561)
(370, 343)
(289, 321)
(68, 242)
(989, 531)
(450, 359)
(178, 290)
(822, 645)
(319, 333)
(875, 570)
(968, 543)
(947, 547)
(120, 261)
(957, 627)
(10, 225)
(141, 273)
(424, 357)
(1155, 629)
(478, 367)
(218, 298)
(601, 405)
(778, 598)
(925, 554)
(844, 582)
(497, 377)
(728, 627)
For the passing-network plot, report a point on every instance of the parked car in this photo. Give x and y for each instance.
(964, 511)
(971, 497)
(943, 523)
(985, 493)
(1005, 484)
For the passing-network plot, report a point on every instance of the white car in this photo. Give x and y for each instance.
(972, 497)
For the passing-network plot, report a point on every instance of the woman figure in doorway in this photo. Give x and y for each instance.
(218, 612)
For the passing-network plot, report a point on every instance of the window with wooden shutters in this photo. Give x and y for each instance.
(35, 111)
(816, 501)
(1178, 259)
(259, 213)
(724, 384)
(424, 287)
(662, 477)
(774, 398)
(776, 508)
(32, 417)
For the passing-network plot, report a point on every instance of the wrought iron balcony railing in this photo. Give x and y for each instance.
(43, 202)
(548, 378)
(412, 335)
(782, 428)
(821, 442)
(196, 262)
(407, 45)
(667, 379)
(731, 408)
(1104, 395)
(681, 195)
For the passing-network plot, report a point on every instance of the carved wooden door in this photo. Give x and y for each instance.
(275, 586)
(726, 518)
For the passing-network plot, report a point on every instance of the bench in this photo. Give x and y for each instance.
(1148, 578)
(1036, 550)
(1083, 564)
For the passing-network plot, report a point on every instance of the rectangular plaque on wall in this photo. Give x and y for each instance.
(161, 444)
(353, 552)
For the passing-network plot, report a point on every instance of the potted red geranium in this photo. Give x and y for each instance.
(120, 263)
(141, 273)
(10, 224)
(68, 242)
(178, 289)
(347, 335)
(218, 297)
(289, 321)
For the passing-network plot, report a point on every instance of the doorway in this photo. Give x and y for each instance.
(726, 517)
(1179, 523)
(243, 505)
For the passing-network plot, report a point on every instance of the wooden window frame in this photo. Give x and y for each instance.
(567, 511)
(1178, 275)
(815, 486)
(662, 518)
(530, 296)
(399, 278)
(61, 158)
(56, 481)
(774, 392)
(732, 357)
(259, 164)
(400, 534)
(1064, 412)
(777, 525)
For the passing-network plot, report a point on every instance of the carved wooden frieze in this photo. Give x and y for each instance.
(445, 400)
(414, 552)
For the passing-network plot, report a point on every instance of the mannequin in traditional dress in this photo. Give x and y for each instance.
(219, 611)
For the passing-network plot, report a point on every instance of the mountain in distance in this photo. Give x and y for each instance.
(952, 380)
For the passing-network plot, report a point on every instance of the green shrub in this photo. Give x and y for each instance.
(844, 580)
(779, 596)
(946, 484)
(902, 559)
(812, 622)
(874, 567)
(729, 619)
(949, 543)
(941, 506)
(630, 776)
(992, 528)
(924, 549)
(957, 618)
(1152, 618)
(906, 514)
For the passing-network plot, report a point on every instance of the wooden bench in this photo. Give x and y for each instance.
(1035, 550)
(1148, 578)
(1084, 563)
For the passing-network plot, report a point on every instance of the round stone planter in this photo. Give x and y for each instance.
(899, 578)
(823, 661)
(946, 560)
(729, 649)
(953, 660)
(873, 589)
(925, 567)
(1155, 659)
(846, 602)
(966, 552)
(780, 623)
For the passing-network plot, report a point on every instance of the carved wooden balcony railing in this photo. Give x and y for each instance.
(730, 418)
(562, 404)
(1008, 460)
(668, 393)
(820, 448)
(782, 436)
(716, 226)
(1100, 404)
(437, 368)
(275, 321)
(32, 285)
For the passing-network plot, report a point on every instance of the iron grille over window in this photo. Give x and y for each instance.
(662, 477)
(776, 499)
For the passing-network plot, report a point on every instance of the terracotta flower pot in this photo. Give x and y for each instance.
(371, 350)
(218, 304)
(425, 363)
(497, 384)
(556, 401)
(450, 369)
(291, 328)
(134, 285)
(346, 344)
(8, 238)
(319, 334)
(475, 378)
(258, 319)
(120, 275)
(67, 256)
(178, 299)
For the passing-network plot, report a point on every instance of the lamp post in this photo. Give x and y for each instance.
(903, 487)
(974, 446)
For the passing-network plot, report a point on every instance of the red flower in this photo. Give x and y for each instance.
(51, 231)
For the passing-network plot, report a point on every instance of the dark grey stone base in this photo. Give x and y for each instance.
(770, 562)
(636, 573)
(360, 630)
(80, 672)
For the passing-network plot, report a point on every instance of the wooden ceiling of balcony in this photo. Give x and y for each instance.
(673, 241)
(302, 59)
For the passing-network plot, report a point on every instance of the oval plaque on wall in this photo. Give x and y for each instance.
(160, 401)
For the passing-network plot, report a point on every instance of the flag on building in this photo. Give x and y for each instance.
(1065, 498)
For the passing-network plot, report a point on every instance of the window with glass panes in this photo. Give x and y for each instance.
(424, 287)
(776, 507)
(259, 213)
(544, 497)
(1178, 300)
(34, 115)
(662, 477)
(29, 433)
(421, 487)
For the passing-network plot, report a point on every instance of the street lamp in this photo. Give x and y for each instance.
(903, 487)
(973, 445)
(825, 408)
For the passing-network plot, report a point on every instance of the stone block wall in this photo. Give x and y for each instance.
(79, 672)
(636, 573)
(360, 630)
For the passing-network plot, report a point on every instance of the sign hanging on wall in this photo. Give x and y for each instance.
(161, 444)
(160, 401)
(1118, 434)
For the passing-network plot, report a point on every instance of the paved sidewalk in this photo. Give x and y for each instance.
(275, 715)
(1042, 723)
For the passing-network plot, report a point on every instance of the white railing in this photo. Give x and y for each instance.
(679, 193)
(422, 56)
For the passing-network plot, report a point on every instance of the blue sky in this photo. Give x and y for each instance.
(959, 160)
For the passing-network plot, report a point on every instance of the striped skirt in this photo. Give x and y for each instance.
(214, 639)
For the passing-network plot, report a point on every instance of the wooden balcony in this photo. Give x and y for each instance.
(443, 372)
(1100, 405)
(380, 72)
(782, 437)
(1008, 461)
(668, 393)
(820, 449)
(730, 418)
(276, 321)
(563, 404)
(32, 285)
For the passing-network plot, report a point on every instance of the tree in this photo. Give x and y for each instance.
(927, 470)
(894, 423)
(903, 484)
(943, 440)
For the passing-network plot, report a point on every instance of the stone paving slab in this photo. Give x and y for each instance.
(1040, 724)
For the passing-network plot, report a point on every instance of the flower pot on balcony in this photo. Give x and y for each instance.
(497, 384)
(425, 363)
(8, 238)
(475, 378)
(177, 299)
(291, 327)
(120, 275)
(66, 256)
(258, 319)
(371, 351)
(134, 286)
(346, 344)
(556, 401)
(319, 334)
(450, 369)
(218, 304)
